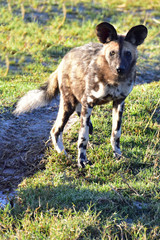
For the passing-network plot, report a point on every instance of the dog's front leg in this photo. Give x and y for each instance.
(117, 113)
(84, 135)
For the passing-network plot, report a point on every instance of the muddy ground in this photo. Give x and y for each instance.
(23, 141)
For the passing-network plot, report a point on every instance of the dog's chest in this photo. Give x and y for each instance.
(105, 92)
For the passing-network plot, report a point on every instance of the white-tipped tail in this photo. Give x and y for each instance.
(39, 97)
(32, 100)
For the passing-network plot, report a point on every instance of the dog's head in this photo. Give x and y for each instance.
(120, 51)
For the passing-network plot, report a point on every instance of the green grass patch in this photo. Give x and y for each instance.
(111, 199)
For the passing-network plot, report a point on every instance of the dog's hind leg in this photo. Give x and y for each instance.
(65, 111)
(78, 111)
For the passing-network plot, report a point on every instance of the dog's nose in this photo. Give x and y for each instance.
(120, 70)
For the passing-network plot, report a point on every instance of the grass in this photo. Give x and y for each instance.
(112, 199)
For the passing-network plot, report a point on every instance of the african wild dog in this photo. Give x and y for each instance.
(90, 75)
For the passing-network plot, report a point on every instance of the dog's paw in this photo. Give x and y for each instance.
(82, 163)
(117, 154)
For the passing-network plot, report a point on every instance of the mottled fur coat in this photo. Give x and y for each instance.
(90, 75)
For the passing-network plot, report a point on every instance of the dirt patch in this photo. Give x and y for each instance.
(23, 142)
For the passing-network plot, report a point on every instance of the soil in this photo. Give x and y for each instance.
(23, 142)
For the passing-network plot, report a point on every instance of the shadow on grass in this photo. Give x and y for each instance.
(112, 205)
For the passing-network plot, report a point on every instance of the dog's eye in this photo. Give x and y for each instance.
(128, 54)
(112, 53)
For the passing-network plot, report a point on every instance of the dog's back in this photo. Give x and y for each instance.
(74, 68)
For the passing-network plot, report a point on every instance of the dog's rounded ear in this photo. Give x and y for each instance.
(106, 32)
(136, 35)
